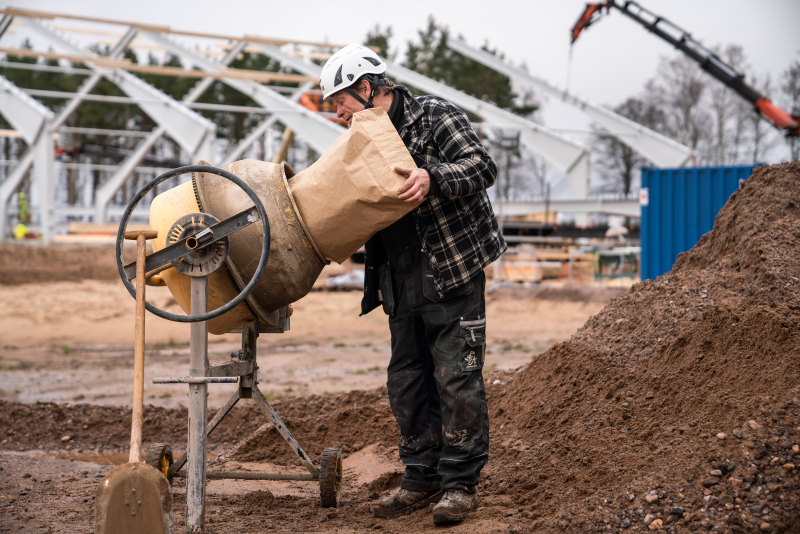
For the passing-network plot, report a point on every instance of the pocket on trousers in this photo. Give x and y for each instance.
(386, 290)
(473, 335)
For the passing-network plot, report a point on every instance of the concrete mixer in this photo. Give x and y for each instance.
(295, 261)
(246, 253)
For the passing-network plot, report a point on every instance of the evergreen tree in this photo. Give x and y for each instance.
(379, 39)
(432, 58)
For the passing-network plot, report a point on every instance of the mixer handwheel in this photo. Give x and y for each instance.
(204, 251)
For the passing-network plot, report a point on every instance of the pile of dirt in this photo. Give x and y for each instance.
(32, 264)
(676, 406)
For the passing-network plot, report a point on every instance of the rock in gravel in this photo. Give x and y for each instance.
(753, 425)
(694, 516)
(676, 510)
(765, 526)
(656, 524)
(725, 499)
(26, 475)
(66, 438)
(649, 519)
(711, 481)
(716, 473)
(710, 500)
(651, 498)
(788, 466)
(721, 435)
(738, 433)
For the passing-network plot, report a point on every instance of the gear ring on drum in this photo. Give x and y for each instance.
(202, 260)
(229, 225)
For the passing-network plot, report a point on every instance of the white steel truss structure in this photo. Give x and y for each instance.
(190, 130)
(195, 134)
(659, 149)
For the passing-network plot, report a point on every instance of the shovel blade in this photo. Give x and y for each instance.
(133, 498)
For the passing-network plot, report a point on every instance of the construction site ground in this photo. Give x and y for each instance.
(670, 407)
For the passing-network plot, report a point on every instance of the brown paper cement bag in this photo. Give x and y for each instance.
(350, 193)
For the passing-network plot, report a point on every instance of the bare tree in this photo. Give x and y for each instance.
(730, 114)
(759, 129)
(618, 164)
(680, 87)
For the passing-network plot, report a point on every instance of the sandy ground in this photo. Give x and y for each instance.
(73, 342)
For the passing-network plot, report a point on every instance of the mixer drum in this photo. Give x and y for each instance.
(294, 259)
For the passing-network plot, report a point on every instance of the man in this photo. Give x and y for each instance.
(427, 272)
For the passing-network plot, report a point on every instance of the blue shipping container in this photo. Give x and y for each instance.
(680, 205)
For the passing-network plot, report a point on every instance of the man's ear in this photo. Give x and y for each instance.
(364, 89)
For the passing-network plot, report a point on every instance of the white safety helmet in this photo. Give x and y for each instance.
(347, 66)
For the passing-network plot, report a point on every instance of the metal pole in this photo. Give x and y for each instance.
(497, 273)
(198, 411)
(547, 205)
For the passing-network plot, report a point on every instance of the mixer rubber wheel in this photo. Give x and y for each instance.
(159, 455)
(330, 477)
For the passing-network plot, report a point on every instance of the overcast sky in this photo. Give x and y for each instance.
(611, 61)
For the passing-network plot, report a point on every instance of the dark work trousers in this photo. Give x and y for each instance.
(435, 378)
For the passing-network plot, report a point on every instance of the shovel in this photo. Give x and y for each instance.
(135, 498)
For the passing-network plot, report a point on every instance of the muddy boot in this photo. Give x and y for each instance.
(404, 502)
(454, 506)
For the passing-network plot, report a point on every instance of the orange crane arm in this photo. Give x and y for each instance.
(708, 60)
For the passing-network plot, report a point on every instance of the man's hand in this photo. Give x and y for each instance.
(416, 187)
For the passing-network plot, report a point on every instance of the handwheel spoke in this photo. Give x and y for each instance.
(177, 250)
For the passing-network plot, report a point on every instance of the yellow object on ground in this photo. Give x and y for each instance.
(20, 231)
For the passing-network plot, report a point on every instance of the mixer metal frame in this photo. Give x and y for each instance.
(243, 366)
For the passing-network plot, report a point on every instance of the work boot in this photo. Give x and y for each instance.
(454, 506)
(405, 502)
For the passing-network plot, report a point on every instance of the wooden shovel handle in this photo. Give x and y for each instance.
(138, 349)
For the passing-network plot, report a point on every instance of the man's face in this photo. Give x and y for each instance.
(346, 105)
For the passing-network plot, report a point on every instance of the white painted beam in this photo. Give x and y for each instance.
(659, 149)
(259, 130)
(624, 207)
(318, 132)
(35, 124)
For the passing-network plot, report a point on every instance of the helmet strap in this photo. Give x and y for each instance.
(374, 82)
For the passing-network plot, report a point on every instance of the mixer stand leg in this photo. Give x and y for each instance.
(262, 403)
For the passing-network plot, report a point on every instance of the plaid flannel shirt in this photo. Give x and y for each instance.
(456, 222)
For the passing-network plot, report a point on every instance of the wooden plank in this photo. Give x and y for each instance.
(163, 29)
(126, 64)
(102, 229)
(47, 15)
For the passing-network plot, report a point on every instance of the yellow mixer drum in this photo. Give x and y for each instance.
(294, 259)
